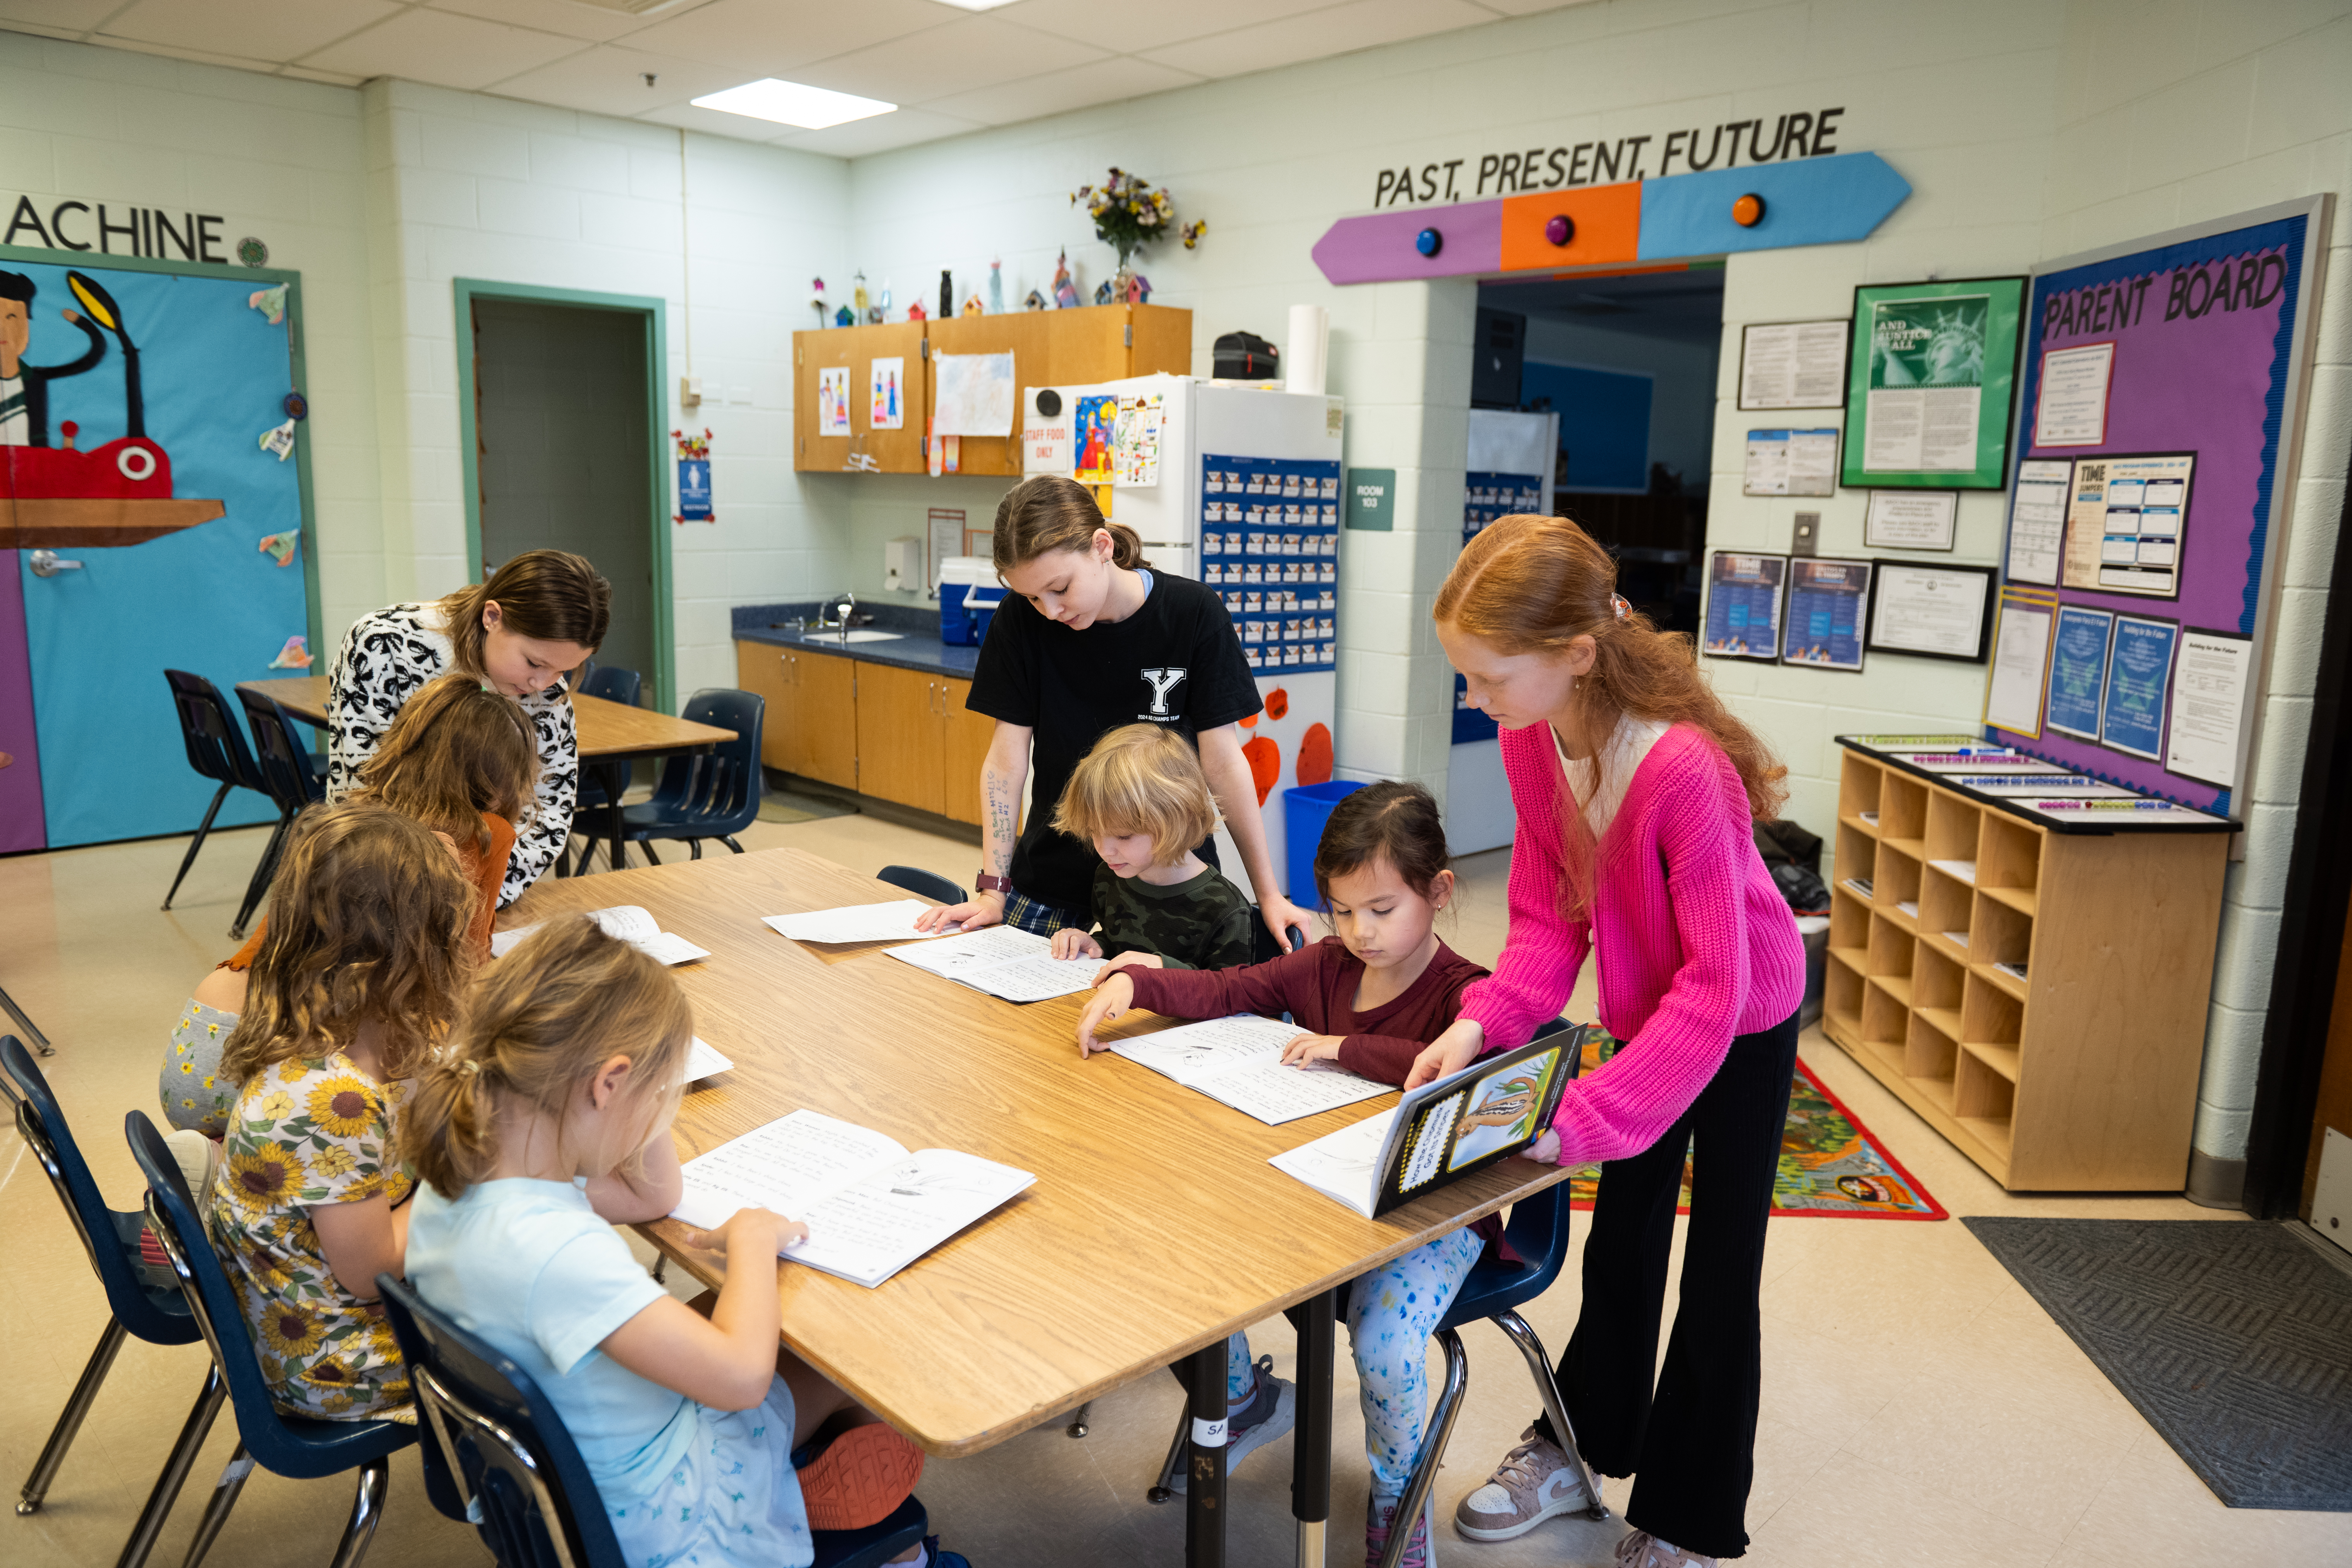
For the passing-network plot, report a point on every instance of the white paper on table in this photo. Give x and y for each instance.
(2209, 704)
(1238, 1060)
(703, 1060)
(892, 921)
(784, 1167)
(623, 922)
(1345, 1165)
(1003, 961)
(973, 395)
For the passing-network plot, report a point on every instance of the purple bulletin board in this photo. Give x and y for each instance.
(2211, 333)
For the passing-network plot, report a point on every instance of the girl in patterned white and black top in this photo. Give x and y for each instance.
(539, 616)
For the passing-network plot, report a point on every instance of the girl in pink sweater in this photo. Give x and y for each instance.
(1635, 790)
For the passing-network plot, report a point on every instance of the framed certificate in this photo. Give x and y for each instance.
(1935, 610)
(1911, 520)
(1930, 379)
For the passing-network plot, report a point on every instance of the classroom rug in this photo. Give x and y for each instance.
(1829, 1163)
(2234, 1338)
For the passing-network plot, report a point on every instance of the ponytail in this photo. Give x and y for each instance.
(1053, 511)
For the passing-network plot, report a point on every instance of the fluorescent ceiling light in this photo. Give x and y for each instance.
(977, 4)
(790, 103)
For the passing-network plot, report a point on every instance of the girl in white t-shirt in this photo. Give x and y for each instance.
(546, 1121)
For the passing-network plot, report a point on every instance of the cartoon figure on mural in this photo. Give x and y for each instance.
(25, 388)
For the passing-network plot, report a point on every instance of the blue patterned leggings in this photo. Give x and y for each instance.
(1390, 1314)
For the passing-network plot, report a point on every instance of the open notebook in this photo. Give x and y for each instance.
(1239, 1060)
(1442, 1130)
(626, 922)
(872, 1206)
(1003, 962)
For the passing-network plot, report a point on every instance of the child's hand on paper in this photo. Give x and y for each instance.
(1111, 998)
(1071, 943)
(751, 1233)
(1131, 959)
(987, 910)
(1307, 1048)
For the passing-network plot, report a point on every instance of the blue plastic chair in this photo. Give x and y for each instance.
(928, 884)
(295, 778)
(497, 1453)
(216, 749)
(294, 1447)
(707, 795)
(155, 1313)
(614, 684)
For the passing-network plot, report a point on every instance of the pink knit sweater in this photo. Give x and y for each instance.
(1696, 945)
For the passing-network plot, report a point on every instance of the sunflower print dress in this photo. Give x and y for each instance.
(306, 1133)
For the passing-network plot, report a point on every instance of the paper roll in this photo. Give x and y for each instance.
(1310, 338)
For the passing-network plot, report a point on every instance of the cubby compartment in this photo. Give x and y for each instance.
(1946, 906)
(2009, 858)
(1937, 985)
(1984, 1102)
(1858, 858)
(1903, 811)
(1849, 922)
(2001, 932)
(1890, 947)
(1989, 1016)
(1885, 1021)
(1952, 829)
(1896, 884)
(1842, 991)
(1858, 781)
(1931, 1051)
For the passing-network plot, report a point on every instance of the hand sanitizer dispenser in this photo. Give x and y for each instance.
(902, 564)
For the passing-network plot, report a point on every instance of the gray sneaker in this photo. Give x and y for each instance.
(1272, 1411)
(1642, 1550)
(1534, 1482)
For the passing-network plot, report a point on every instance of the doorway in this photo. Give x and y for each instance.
(561, 410)
(1628, 363)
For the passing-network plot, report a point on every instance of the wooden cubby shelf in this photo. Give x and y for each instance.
(2080, 1076)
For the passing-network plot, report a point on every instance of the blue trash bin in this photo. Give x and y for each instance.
(1304, 809)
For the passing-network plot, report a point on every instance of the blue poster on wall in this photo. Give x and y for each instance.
(1824, 626)
(2139, 671)
(172, 520)
(2078, 669)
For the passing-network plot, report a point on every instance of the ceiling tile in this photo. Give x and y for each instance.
(1530, 7)
(276, 30)
(1100, 82)
(609, 79)
(761, 37)
(879, 134)
(1341, 30)
(442, 49)
(58, 16)
(568, 17)
(1135, 26)
(978, 52)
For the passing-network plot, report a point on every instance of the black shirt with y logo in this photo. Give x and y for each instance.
(1176, 661)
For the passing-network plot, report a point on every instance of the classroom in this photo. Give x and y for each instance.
(1209, 707)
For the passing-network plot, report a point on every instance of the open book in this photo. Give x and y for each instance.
(1239, 1060)
(871, 1206)
(1003, 962)
(1442, 1130)
(893, 921)
(626, 923)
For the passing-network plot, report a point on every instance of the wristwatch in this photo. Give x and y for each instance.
(984, 883)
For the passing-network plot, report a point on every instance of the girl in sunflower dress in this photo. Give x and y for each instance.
(460, 759)
(357, 979)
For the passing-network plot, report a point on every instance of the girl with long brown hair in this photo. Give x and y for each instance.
(1636, 792)
(539, 616)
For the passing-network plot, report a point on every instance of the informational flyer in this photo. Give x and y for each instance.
(2139, 672)
(1911, 520)
(1135, 440)
(1925, 609)
(1826, 601)
(1792, 364)
(2021, 661)
(2125, 523)
(1790, 463)
(833, 400)
(2072, 401)
(1743, 605)
(2209, 698)
(886, 401)
(2037, 520)
(2078, 669)
(1927, 383)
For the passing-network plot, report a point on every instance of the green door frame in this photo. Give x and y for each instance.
(650, 309)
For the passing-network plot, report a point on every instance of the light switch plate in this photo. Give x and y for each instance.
(1805, 538)
(2331, 1201)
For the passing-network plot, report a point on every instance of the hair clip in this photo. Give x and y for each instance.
(470, 1066)
(1617, 604)
(486, 686)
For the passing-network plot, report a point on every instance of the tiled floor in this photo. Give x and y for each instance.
(1919, 1410)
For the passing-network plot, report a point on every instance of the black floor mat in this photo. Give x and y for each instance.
(2233, 1339)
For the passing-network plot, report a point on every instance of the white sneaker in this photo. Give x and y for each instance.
(1534, 1482)
(1272, 1411)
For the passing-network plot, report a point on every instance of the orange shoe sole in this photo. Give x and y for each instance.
(862, 1476)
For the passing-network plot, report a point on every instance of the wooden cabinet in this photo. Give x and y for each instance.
(968, 738)
(811, 728)
(901, 738)
(1049, 348)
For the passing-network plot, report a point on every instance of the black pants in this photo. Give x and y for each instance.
(1692, 1441)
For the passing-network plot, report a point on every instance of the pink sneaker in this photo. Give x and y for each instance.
(1643, 1550)
(1379, 1516)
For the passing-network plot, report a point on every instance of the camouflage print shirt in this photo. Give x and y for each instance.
(1202, 922)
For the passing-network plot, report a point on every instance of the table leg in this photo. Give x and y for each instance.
(1316, 1318)
(1204, 1496)
(617, 777)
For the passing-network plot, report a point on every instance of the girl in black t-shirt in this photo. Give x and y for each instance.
(1092, 640)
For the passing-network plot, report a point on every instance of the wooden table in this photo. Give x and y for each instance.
(1155, 1229)
(612, 735)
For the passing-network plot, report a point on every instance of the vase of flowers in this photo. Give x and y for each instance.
(1129, 213)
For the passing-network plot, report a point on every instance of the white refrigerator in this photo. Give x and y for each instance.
(1244, 497)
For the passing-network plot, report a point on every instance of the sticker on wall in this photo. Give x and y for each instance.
(270, 302)
(833, 400)
(280, 546)
(886, 405)
(693, 479)
(278, 440)
(295, 655)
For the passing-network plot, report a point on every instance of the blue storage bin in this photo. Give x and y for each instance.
(965, 610)
(1304, 809)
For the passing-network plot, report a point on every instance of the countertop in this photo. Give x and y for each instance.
(918, 646)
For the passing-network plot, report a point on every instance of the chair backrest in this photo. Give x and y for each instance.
(284, 759)
(1538, 1228)
(720, 788)
(110, 1236)
(1263, 946)
(490, 1439)
(215, 745)
(614, 684)
(914, 879)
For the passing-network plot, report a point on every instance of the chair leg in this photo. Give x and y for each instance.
(694, 848)
(647, 846)
(32, 1030)
(1548, 1389)
(258, 888)
(226, 1492)
(1432, 1448)
(199, 1425)
(202, 828)
(61, 1436)
(1173, 1467)
(367, 1512)
(1078, 1427)
(729, 841)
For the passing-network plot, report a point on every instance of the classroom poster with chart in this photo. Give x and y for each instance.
(1929, 380)
(2159, 408)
